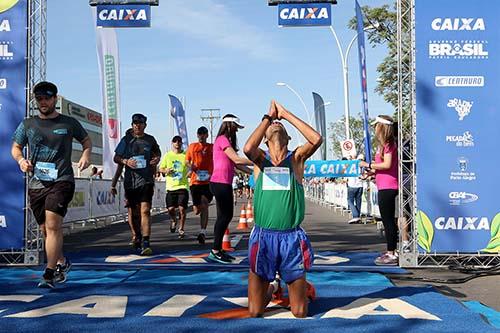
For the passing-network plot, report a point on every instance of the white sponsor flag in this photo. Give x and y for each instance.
(107, 57)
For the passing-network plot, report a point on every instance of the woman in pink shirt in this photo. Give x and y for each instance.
(225, 159)
(385, 167)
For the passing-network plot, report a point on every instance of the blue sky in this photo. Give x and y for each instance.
(225, 54)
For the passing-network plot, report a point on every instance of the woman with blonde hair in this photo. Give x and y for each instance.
(385, 168)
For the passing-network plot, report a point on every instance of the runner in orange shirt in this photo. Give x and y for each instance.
(199, 158)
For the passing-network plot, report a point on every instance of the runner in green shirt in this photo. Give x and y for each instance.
(277, 242)
(173, 164)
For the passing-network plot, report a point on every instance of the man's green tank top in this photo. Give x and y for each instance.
(278, 199)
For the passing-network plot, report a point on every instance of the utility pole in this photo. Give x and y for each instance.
(211, 116)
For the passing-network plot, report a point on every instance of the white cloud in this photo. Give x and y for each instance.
(213, 22)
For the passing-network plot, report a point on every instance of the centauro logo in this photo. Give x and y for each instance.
(303, 13)
(123, 15)
(457, 24)
(5, 5)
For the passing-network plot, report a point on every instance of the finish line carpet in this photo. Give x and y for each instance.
(173, 300)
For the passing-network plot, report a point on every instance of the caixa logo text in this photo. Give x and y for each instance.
(462, 223)
(105, 198)
(460, 198)
(458, 24)
(123, 15)
(303, 13)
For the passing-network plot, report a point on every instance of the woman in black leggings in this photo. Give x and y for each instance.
(385, 167)
(225, 159)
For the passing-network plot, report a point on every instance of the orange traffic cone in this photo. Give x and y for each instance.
(249, 212)
(242, 224)
(226, 241)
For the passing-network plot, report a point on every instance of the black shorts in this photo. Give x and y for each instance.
(177, 198)
(54, 198)
(198, 190)
(135, 196)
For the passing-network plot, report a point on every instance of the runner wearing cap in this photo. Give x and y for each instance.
(199, 159)
(277, 242)
(140, 154)
(51, 186)
(225, 159)
(173, 165)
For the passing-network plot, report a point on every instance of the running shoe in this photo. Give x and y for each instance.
(387, 259)
(278, 294)
(218, 257)
(146, 251)
(172, 226)
(201, 238)
(62, 271)
(181, 234)
(227, 255)
(47, 281)
(310, 291)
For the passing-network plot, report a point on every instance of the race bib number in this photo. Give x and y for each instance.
(46, 171)
(202, 175)
(276, 179)
(140, 160)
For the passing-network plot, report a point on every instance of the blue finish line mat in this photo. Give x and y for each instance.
(198, 301)
(323, 261)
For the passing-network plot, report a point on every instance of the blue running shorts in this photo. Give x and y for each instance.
(287, 252)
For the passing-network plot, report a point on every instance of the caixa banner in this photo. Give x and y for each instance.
(458, 75)
(13, 69)
(313, 14)
(124, 16)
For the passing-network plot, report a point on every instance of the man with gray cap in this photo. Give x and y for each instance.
(140, 154)
(51, 186)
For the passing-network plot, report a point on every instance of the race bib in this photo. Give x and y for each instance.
(140, 160)
(45, 171)
(276, 179)
(202, 175)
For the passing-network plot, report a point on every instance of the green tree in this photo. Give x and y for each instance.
(337, 135)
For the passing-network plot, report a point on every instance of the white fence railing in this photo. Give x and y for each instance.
(93, 201)
(335, 195)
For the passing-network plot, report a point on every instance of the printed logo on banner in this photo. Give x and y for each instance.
(123, 16)
(5, 50)
(458, 24)
(459, 81)
(462, 223)
(463, 49)
(3, 221)
(461, 198)
(465, 140)
(462, 107)
(105, 198)
(3, 83)
(304, 14)
(463, 174)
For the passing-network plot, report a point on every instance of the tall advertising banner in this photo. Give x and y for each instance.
(109, 70)
(13, 85)
(319, 116)
(458, 75)
(178, 113)
(364, 87)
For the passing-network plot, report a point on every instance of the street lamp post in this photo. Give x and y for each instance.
(283, 84)
(343, 59)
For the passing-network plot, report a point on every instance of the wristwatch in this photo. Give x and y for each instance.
(268, 117)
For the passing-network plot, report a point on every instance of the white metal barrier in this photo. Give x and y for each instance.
(93, 202)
